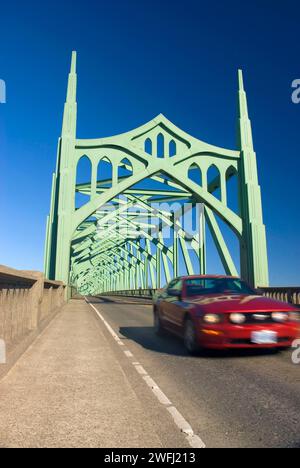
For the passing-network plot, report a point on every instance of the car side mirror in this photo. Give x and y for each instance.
(174, 293)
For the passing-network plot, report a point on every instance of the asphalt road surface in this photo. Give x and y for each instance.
(236, 399)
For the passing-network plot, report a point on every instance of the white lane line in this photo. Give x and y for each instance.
(180, 422)
(163, 399)
(140, 370)
(196, 442)
(109, 328)
(193, 440)
(150, 382)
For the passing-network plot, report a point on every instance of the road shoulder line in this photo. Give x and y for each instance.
(194, 440)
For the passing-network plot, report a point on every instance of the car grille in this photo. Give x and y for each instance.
(259, 317)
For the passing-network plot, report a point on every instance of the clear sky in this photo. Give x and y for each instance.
(135, 60)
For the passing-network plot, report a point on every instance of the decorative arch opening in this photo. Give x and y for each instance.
(104, 174)
(214, 181)
(195, 174)
(125, 169)
(148, 146)
(83, 182)
(172, 148)
(160, 146)
(232, 189)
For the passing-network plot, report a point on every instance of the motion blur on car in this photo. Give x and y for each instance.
(223, 312)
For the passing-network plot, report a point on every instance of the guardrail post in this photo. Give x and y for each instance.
(36, 297)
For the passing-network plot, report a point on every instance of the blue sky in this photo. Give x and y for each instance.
(135, 60)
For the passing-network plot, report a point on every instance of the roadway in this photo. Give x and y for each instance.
(241, 399)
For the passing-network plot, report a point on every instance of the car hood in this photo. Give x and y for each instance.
(222, 303)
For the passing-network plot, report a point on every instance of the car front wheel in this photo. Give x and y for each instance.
(190, 338)
(158, 327)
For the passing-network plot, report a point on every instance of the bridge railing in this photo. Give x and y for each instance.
(285, 294)
(27, 302)
(142, 293)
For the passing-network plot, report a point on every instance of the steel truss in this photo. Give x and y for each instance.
(117, 240)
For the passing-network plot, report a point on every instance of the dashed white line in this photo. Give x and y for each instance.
(140, 370)
(150, 382)
(162, 398)
(180, 422)
(193, 440)
(109, 328)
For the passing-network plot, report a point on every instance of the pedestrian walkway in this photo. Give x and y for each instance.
(68, 390)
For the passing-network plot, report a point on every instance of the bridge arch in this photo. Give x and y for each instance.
(151, 165)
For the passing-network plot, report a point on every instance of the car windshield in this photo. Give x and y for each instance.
(201, 286)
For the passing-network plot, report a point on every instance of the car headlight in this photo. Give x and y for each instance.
(280, 316)
(294, 316)
(237, 318)
(212, 318)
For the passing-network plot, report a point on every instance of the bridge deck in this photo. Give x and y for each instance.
(79, 385)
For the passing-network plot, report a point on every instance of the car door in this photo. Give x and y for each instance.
(172, 305)
(164, 302)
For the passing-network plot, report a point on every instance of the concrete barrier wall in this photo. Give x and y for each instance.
(27, 303)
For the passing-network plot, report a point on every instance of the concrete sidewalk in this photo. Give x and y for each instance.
(68, 390)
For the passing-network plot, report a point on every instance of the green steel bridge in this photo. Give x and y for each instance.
(128, 213)
(131, 232)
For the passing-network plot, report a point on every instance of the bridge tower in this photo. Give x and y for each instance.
(253, 245)
(59, 222)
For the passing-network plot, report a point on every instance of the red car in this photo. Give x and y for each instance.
(221, 312)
